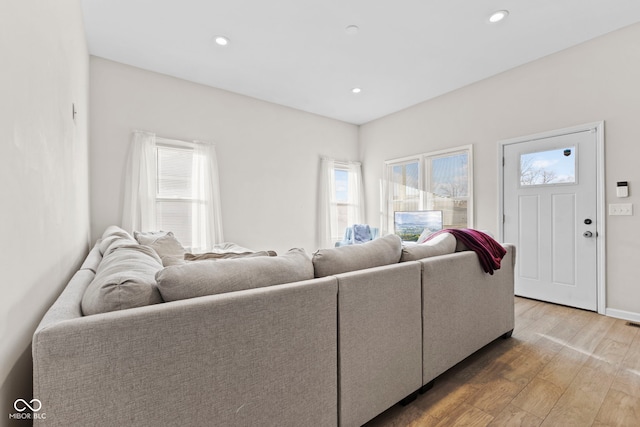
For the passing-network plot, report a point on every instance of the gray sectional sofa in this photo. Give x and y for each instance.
(356, 330)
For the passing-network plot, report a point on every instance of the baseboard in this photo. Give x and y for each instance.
(625, 315)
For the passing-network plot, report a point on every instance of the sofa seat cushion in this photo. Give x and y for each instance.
(440, 245)
(383, 251)
(211, 277)
(124, 279)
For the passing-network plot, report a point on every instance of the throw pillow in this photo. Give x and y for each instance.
(226, 255)
(383, 251)
(195, 279)
(424, 235)
(163, 242)
(125, 279)
(442, 244)
(361, 233)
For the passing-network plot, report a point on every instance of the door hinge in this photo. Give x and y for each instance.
(503, 218)
(503, 161)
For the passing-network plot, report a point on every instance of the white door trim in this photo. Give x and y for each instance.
(600, 196)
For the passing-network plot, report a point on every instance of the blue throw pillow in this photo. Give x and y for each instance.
(361, 233)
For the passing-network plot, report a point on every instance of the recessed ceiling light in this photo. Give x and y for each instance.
(498, 16)
(352, 30)
(356, 90)
(221, 40)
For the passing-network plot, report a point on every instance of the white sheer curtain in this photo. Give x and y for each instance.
(139, 207)
(328, 209)
(207, 216)
(338, 212)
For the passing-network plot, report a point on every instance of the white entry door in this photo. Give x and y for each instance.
(550, 212)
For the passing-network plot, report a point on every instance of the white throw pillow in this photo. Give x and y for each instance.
(442, 244)
(163, 242)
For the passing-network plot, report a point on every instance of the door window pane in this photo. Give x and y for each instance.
(548, 167)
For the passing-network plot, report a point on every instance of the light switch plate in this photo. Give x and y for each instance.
(621, 209)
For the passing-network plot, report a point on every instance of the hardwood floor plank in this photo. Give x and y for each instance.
(466, 415)
(487, 364)
(444, 398)
(588, 338)
(628, 376)
(513, 416)
(619, 409)
(538, 397)
(494, 396)
(526, 366)
(581, 401)
(562, 367)
(622, 332)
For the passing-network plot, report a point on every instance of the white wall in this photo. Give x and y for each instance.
(268, 154)
(43, 173)
(598, 80)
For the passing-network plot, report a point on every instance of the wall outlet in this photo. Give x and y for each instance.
(621, 209)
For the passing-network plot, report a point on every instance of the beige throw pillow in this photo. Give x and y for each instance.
(442, 244)
(226, 255)
(163, 242)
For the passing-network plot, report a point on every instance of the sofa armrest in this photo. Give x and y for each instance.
(464, 308)
(266, 355)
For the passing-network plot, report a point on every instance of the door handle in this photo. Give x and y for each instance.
(587, 234)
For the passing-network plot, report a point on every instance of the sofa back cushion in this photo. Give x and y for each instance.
(124, 279)
(114, 230)
(210, 277)
(383, 251)
(442, 244)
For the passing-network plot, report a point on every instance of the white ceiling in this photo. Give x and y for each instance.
(297, 52)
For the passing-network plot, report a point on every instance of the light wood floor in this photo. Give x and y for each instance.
(562, 367)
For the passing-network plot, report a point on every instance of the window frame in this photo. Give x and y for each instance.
(424, 161)
(352, 199)
(165, 143)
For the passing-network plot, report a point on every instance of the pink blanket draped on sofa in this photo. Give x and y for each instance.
(489, 251)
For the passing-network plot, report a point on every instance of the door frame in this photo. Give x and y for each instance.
(598, 128)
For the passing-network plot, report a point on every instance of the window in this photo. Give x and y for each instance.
(347, 196)
(448, 182)
(548, 167)
(432, 181)
(173, 186)
(176, 201)
(406, 192)
(341, 199)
